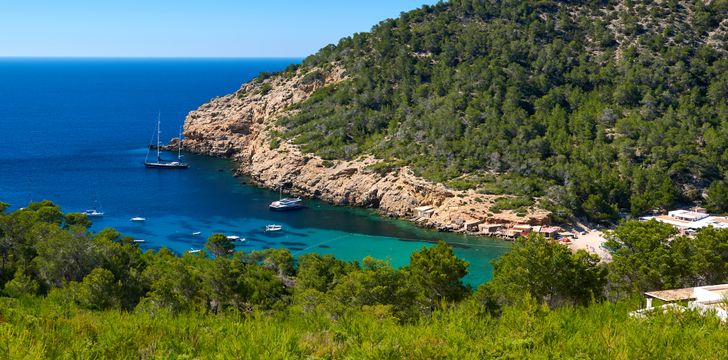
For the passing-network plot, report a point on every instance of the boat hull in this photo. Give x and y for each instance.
(285, 208)
(166, 165)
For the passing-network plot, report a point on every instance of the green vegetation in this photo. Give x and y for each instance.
(520, 203)
(265, 88)
(219, 245)
(67, 292)
(599, 105)
(648, 256)
(717, 197)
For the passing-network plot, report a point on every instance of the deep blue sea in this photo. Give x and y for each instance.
(75, 131)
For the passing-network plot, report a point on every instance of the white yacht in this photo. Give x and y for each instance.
(138, 219)
(287, 204)
(93, 213)
(273, 227)
(283, 204)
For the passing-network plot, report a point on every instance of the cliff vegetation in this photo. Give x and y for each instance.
(591, 106)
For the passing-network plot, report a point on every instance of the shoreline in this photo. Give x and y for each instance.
(242, 127)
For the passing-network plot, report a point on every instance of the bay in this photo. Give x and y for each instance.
(75, 131)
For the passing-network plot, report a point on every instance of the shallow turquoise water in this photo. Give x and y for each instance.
(74, 131)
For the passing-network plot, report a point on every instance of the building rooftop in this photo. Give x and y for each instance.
(672, 294)
(687, 215)
(719, 222)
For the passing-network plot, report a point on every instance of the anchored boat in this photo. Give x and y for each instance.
(284, 204)
(273, 227)
(162, 164)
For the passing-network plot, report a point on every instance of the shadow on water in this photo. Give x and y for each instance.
(293, 243)
(433, 241)
(134, 230)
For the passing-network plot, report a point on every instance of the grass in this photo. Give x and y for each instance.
(38, 328)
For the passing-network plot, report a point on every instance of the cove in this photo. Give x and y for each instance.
(74, 131)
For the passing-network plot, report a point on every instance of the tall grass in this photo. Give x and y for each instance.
(38, 328)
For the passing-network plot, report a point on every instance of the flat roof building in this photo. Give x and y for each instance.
(706, 299)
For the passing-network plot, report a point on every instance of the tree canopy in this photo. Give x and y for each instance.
(594, 106)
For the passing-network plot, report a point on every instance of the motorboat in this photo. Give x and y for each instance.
(139, 240)
(93, 213)
(138, 219)
(273, 227)
(283, 204)
(233, 237)
(287, 204)
(196, 233)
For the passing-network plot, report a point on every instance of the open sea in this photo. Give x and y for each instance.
(75, 131)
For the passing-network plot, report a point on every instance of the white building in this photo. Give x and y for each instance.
(706, 299)
(686, 215)
(690, 220)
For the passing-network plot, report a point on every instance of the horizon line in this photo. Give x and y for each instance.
(149, 57)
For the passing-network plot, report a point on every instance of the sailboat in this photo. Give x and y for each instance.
(94, 212)
(160, 164)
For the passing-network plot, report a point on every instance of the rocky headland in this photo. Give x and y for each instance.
(242, 126)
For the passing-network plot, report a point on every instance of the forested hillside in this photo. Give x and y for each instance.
(70, 293)
(594, 106)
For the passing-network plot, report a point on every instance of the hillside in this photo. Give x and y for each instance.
(587, 106)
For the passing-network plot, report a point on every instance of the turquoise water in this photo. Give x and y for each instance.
(74, 131)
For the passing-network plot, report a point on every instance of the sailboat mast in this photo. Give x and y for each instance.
(159, 132)
(179, 145)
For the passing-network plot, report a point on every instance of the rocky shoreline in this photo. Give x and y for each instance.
(241, 126)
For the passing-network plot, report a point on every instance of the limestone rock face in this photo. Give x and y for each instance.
(239, 126)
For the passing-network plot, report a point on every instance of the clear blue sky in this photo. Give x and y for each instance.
(185, 28)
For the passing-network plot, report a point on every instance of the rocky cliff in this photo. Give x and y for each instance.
(241, 126)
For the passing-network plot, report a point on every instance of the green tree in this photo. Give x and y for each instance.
(279, 260)
(77, 219)
(438, 274)
(219, 245)
(62, 257)
(321, 272)
(22, 284)
(98, 290)
(641, 257)
(548, 272)
(376, 283)
(717, 197)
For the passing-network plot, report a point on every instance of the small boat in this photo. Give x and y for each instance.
(93, 213)
(287, 204)
(273, 227)
(243, 239)
(233, 237)
(164, 164)
(196, 233)
(139, 240)
(138, 219)
(284, 204)
(194, 251)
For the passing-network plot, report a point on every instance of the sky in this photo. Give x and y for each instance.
(185, 28)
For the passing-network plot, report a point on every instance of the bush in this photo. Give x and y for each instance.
(265, 89)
